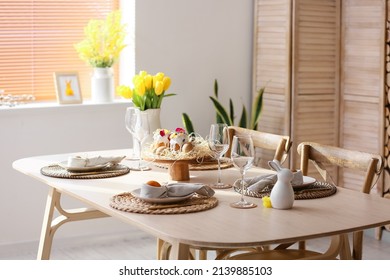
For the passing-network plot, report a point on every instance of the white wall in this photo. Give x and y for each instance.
(193, 41)
(53, 129)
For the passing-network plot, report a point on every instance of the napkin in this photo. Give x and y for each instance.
(175, 190)
(78, 161)
(258, 183)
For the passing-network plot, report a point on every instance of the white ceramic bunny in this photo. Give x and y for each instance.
(282, 194)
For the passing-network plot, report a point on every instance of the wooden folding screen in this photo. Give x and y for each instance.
(322, 62)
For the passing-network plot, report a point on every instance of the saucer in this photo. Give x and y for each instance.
(307, 181)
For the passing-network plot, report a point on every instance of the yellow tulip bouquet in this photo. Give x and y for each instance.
(148, 91)
(104, 41)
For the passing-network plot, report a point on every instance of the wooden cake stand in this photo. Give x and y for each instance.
(178, 169)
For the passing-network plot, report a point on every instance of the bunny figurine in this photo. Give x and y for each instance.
(282, 194)
(68, 89)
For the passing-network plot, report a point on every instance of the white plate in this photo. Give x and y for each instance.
(164, 200)
(64, 165)
(307, 181)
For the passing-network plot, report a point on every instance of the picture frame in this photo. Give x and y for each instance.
(67, 87)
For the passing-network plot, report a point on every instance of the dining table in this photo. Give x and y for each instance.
(216, 226)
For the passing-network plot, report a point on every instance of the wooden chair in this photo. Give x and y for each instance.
(278, 145)
(321, 155)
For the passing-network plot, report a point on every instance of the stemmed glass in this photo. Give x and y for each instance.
(218, 141)
(243, 154)
(138, 125)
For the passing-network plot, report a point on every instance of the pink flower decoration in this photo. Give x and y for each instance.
(162, 132)
(180, 130)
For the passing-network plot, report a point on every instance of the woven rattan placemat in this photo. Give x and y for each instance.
(210, 166)
(315, 190)
(129, 203)
(59, 172)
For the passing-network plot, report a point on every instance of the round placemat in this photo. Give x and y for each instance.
(210, 165)
(59, 172)
(129, 203)
(315, 190)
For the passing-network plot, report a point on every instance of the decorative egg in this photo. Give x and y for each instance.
(177, 140)
(187, 147)
(161, 137)
(160, 150)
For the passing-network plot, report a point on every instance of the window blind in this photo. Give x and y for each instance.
(37, 38)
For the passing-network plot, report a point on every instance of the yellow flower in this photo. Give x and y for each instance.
(158, 77)
(104, 41)
(140, 87)
(148, 91)
(142, 74)
(167, 82)
(137, 79)
(267, 202)
(124, 91)
(148, 81)
(159, 88)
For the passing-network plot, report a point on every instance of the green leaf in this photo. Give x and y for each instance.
(148, 103)
(137, 100)
(218, 118)
(221, 111)
(244, 119)
(160, 98)
(256, 108)
(231, 108)
(156, 100)
(187, 123)
(216, 88)
(169, 94)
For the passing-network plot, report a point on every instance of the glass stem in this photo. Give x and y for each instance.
(219, 172)
(139, 154)
(242, 186)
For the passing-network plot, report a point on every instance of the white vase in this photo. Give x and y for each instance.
(154, 122)
(282, 194)
(102, 85)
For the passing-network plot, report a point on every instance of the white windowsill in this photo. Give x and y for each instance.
(47, 106)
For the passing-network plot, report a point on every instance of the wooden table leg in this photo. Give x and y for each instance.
(180, 251)
(46, 232)
(345, 252)
(50, 226)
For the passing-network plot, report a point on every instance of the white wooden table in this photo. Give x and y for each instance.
(220, 227)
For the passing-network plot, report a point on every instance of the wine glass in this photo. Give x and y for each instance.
(137, 124)
(243, 154)
(218, 142)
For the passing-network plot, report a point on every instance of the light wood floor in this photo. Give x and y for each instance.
(136, 245)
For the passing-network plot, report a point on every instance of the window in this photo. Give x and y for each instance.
(37, 38)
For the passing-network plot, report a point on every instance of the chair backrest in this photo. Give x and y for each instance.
(281, 144)
(321, 155)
